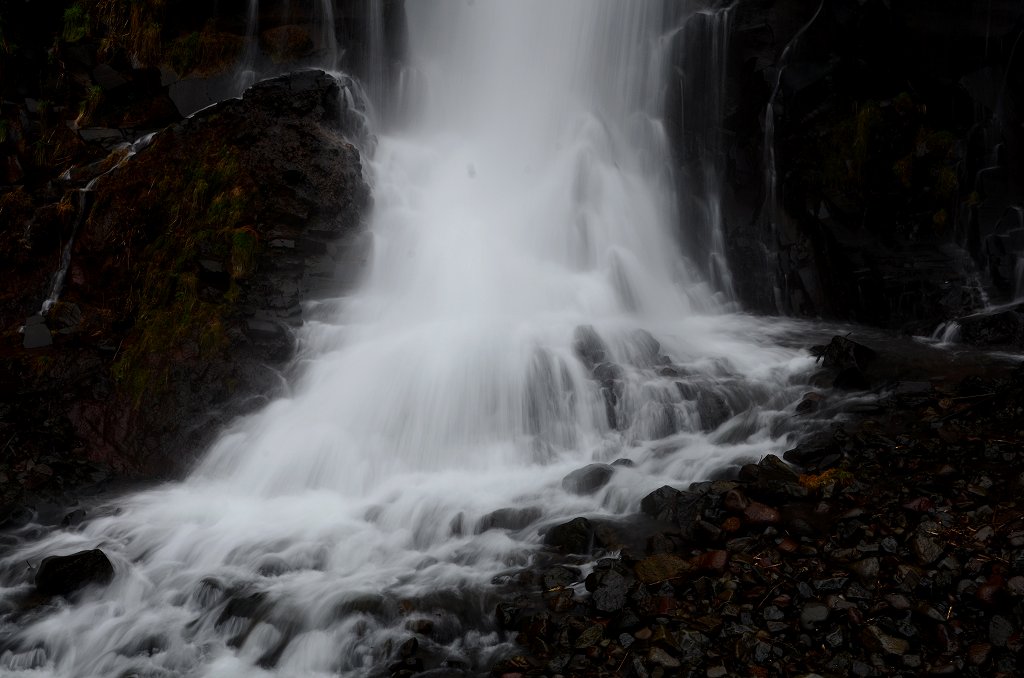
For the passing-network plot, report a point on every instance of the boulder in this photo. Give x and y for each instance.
(61, 575)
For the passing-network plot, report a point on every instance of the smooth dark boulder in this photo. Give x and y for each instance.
(61, 575)
(588, 479)
(1001, 328)
(509, 519)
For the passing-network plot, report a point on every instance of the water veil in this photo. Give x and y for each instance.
(528, 311)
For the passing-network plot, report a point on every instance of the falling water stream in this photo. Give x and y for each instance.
(527, 312)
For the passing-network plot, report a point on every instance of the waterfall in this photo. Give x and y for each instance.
(528, 311)
(327, 43)
(246, 71)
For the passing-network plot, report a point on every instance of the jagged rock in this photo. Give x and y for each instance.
(61, 575)
(575, 536)
(609, 587)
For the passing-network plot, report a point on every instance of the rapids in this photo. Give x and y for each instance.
(529, 310)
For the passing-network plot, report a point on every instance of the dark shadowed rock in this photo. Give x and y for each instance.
(588, 479)
(509, 519)
(61, 575)
(575, 536)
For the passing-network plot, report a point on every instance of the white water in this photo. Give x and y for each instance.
(531, 196)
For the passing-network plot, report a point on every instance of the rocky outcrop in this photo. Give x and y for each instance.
(884, 183)
(185, 282)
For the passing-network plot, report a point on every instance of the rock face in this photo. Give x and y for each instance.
(890, 133)
(187, 274)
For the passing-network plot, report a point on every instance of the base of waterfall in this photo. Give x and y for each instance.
(889, 543)
(895, 546)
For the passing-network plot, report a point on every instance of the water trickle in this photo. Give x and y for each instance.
(84, 203)
(246, 72)
(527, 313)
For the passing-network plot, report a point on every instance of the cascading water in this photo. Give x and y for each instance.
(526, 313)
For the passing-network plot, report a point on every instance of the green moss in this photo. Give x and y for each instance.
(185, 54)
(869, 120)
(904, 170)
(198, 212)
(946, 182)
(244, 247)
(204, 51)
(76, 23)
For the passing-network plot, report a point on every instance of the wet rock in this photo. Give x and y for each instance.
(61, 575)
(925, 545)
(1004, 328)
(867, 569)
(713, 410)
(509, 519)
(672, 505)
(36, 333)
(662, 567)
(560, 576)
(813, 614)
(588, 479)
(879, 641)
(575, 536)
(589, 347)
(609, 588)
(760, 514)
(999, 630)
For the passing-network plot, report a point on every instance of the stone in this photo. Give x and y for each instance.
(609, 588)
(61, 575)
(36, 334)
(588, 479)
(876, 639)
(575, 536)
(926, 548)
(662, 567)
(560, 576)
(867, 569)
(813, 614)
(999, 630)
(509, 519)
(761, 514)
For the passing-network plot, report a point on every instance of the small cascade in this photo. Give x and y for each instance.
(246, 71)
(375, 66)
(771, 206)
(327, 42)
(947, 333)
